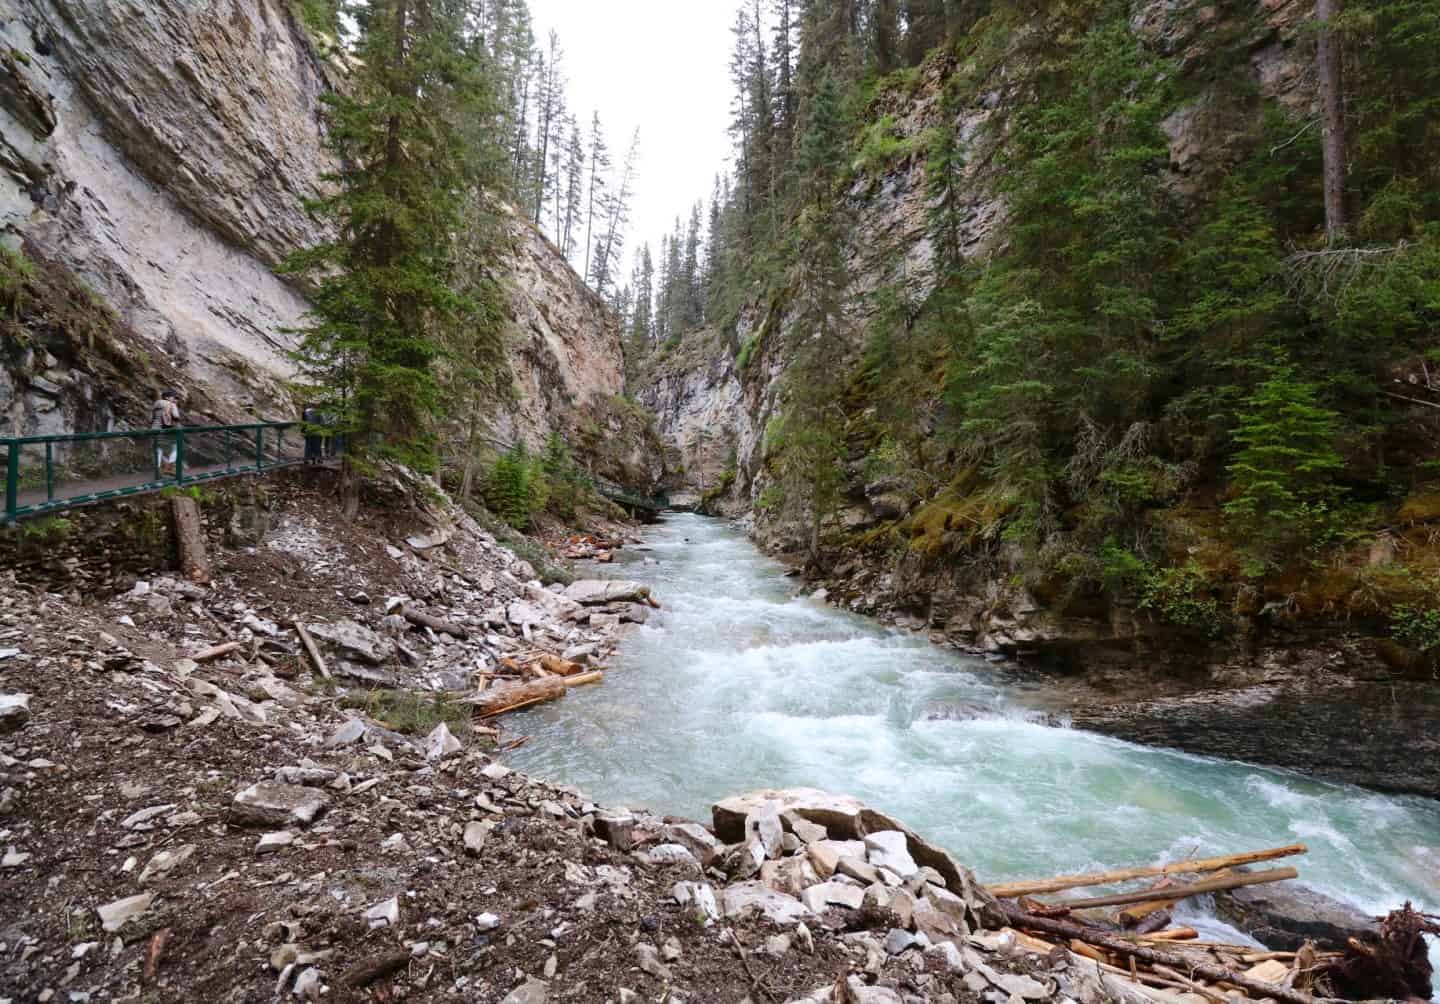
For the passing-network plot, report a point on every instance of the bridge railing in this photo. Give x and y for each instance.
(46, 474)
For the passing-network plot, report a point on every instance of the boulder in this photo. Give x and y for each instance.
(698, 840)
(890, 849)
(825, 855)
(14, 711)
(616, 828)
(595, 592)
(818, 897)
(742, 898)
(1284, 915)
(114, 916)
(441, 743)
(354, 640)
(273, 805)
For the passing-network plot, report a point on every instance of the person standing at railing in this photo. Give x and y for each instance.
(311, 422)
(165, 414)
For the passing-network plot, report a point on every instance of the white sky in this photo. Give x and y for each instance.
(662, 65)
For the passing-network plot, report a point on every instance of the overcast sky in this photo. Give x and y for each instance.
(661, 65)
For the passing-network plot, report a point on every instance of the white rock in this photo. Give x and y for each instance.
(818, 897)
(741, 898)
(384, 914)
(14, 859)
(496, 771)
(307, 985)
(890, 849)
(592, 592)
(166, 862)
(700, 897)
(114, 916)
(764, 824)
(139, 820)
(475, 835)
(272, 842)
(440, 743)
(269, 803)
(14, 711)
(532, 991)
(672, 854)
(487, 922)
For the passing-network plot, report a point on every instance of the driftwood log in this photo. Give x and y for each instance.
(1143, 953)
(1013, 890)
(436, 624)
(502, 700)
(312, 650)
(1180, 892)
(218, 651)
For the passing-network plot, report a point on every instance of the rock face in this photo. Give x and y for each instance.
(162, 153)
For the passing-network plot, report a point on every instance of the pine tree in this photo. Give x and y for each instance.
(551, 113)
(386, 301)
(610, 244)
(574, 189)
(808, 441)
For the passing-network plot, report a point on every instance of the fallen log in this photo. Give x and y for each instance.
(1014, 890)
(1179, 963)
(499, 701)
(372, 970)
(584, 679)
(312, 650)
(1174, 934)
(436, 624)
(560, 667)
(1186, 891)
(218, 652)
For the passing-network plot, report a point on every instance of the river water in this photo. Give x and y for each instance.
(738, 684)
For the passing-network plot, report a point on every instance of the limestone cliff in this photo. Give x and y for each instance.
(162, 152)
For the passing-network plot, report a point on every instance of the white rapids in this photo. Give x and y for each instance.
(738, 684)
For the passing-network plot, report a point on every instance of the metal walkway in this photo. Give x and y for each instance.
(50, 474)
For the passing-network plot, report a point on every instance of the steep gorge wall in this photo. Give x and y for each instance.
(704, 396)
(162, 152)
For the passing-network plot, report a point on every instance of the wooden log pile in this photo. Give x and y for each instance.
(1172, 965)
(526, 679)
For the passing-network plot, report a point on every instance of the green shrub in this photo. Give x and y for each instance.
(1183, 595)
(747, 352)
(515, 489)
(1285, 499)
(1416, 627)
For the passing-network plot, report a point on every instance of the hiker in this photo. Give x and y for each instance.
(165, 414)
(314, 442)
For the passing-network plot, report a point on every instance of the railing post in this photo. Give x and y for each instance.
(229, 456)
(158, 450)
(179, 456)
(259, 448)
(12, 480)
(49, 471)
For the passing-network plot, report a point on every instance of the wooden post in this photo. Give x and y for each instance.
(1238, 881)
(190, 539)
(312, 650)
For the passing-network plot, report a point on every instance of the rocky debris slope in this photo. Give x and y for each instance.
(183, 830)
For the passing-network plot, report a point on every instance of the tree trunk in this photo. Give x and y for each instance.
(1332, 118)
(349, 491)
(190, 539)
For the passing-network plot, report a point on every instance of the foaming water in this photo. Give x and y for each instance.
(738, 685)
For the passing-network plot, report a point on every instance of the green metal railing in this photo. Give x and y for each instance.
(32, 464)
